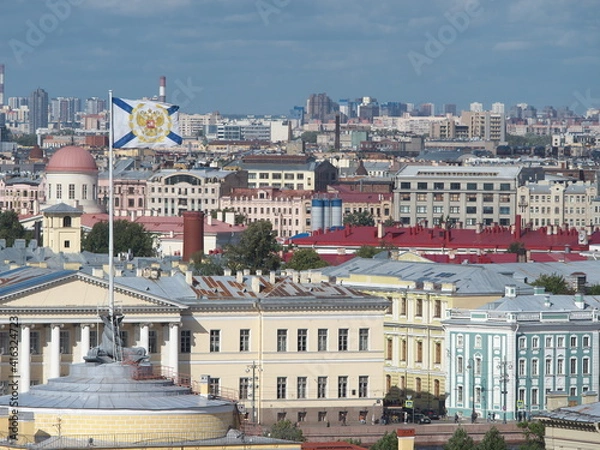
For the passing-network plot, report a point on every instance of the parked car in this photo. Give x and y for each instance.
(419, 418)
(432, 414)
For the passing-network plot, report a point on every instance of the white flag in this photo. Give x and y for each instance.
(144, 124)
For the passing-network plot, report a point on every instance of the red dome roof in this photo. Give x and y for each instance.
(72, 160)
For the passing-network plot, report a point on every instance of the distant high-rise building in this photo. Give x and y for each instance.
(476, 107)
(64, 109)
(38, 110)
(498, 108)
(1, 84)
(320, 107)
(450, 108)
(17, 102)
(95, 105)
(297, 112)
(392, 109)
(427, 109)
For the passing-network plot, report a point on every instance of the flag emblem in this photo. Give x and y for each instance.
(145, 124)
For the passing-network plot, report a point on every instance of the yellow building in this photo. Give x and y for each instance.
(420, 294)
(284, 347)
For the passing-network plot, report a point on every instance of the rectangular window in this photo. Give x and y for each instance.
(215, 341)
(343, 339)
(504, 210)
(535, 396)
(281, 387)
(363, 386)
(389, 350)
(505, 186)
(302, 339)
(301, 387)
(488, 186)
(471, 210)
(437, 355)
(419, 308)
(560, 366)
(321, 387)
(454, 197)
(214, 386)
(152, 342)
(185, 341)
(438, 186)
(585, 342)
(560, 342)
(342, 387)
(34, 341)
(363, 339)
(419, 355)
(534, 367)
(422, 185)
(282, 340)
(573, 367)
(573, 340)
(244, 388)
(403, 306)
(454, 186)
(71, 191)
(322, 340)
(585, 366)
(59, 191)
(437, 309)
(471, 186)
(65, 342)
(84, 191)
(404, 185)
(244, 340)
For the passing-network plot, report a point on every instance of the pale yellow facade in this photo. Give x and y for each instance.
(313, 360)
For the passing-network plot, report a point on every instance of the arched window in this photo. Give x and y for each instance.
(67, 221)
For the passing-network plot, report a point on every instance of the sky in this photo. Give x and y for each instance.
(265, 56)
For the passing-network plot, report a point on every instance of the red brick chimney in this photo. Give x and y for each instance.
(193, 233)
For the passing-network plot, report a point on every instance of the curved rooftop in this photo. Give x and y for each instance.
(92, 386)
(72, 159)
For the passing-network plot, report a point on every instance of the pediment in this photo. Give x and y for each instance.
(81, 292)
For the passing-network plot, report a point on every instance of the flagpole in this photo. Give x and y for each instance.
(111, 213)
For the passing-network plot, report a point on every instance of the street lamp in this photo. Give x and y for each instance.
(502, 366)
(471, 367)
(253, 367)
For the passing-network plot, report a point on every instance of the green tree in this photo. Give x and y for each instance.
(256, 250)
(10, 227)
(26, 140)
(305, 259)
(554, 283)
(359, 219)
(492, 440)
(534, 432)
(460, 440)
(389, 441)
(367, 251)
(352, 441)
(127, 236)
(309, 137)
(594, 289)
(284, 429)
(516, 247)
(207, 265)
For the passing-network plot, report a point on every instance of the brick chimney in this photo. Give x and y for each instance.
(193, 233)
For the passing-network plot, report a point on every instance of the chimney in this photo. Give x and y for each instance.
(380, 230)
(162, 89)
(193, 234)
(256, 285)
(189, 278)
(227, 272)
(579, 302)
(239, 276)
(272, 277)
(209, 220)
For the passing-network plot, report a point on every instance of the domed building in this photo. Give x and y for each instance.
(72, 178)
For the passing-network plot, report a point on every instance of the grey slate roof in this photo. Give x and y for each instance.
(531, 271)
(468, 279)
(62, 208)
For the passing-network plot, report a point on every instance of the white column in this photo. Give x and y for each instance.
(24, 360)
(54, 351)
(84, 343)
(145, 336)
(173, 347)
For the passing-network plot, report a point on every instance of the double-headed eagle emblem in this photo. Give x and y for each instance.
(150, 123)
